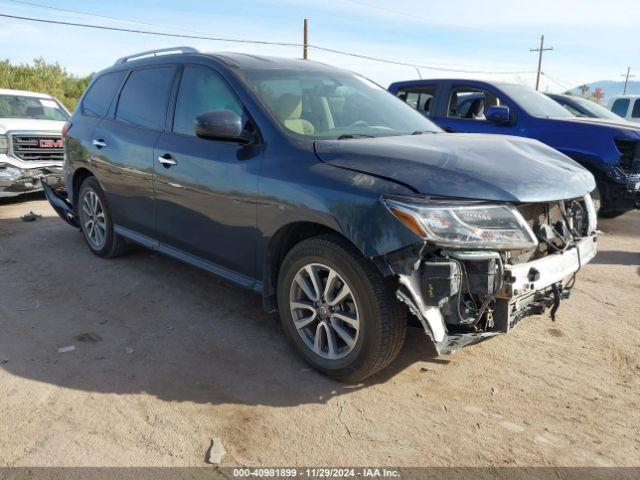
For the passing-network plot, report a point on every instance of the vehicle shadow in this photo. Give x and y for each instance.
(27, 197)
(147, 323)
(616, 257)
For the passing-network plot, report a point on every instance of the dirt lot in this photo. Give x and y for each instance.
(175, 357)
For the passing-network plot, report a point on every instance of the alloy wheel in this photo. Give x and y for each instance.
(93, 220)
(324, 311)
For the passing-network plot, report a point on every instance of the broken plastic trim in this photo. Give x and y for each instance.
(407, 267)
(61, 205)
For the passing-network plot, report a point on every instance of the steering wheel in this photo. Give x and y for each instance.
(360, 123)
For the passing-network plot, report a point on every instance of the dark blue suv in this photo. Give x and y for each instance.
(609, 149)
(342, 206)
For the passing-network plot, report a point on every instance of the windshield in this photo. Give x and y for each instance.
(35, 108)
(330, 105)
(535, 103)
(596, 110)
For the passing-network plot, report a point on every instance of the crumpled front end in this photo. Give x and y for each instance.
(26, 157)
(16, 181)
(465, 295)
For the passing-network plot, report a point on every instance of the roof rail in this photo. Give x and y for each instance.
(155, 53)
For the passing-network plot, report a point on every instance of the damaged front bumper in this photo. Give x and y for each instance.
(463, 297)
(16, 181)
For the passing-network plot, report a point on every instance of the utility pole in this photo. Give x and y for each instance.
(306, 39)
(626, 76)
(541, 49)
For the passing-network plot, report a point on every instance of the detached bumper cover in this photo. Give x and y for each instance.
(56, 195)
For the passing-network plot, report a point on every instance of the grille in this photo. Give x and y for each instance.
(629, 155)
(536, 214)
(40, 148)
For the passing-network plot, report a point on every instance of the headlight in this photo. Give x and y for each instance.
(4, 144)
(463, 224)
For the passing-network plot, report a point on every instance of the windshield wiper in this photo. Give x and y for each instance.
(420, 132)
(346, 136)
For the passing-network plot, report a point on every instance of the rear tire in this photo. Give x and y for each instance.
(96, 223)
(350, 339)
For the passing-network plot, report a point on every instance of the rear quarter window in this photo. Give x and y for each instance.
(144, 97)
(419, 98)
(620, 107)
(100, 95)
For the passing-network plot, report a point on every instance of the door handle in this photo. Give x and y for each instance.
(167, 160)
(99, 143)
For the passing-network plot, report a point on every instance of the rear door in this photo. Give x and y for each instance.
(206, 201)
(96, 104)
(124, 145)
(420, 97)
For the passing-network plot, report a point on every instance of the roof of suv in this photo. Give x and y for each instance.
(23, 93)
(248, 61)
(238, 61)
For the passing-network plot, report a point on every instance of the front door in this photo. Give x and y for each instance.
(206, 194)
(465, 110)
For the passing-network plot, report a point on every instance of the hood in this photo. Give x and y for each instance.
(26, 124)
(483, 167)
(622, 123)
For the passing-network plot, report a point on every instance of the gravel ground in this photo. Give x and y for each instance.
(168, 357)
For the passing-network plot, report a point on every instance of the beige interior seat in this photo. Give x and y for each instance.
(289, 110)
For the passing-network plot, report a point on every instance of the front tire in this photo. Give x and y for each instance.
(338, 310)
(96, 221)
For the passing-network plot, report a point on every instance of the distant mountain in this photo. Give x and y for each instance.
(611, 88)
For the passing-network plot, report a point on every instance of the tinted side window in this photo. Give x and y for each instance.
(636, 109)
(201, 90)
(420, 98)
(97, 100)
(620, 107)
(143, 101)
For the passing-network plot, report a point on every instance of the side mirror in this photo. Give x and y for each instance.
(222, 125)
(498, 114)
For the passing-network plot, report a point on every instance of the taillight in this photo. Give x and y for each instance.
(66, 128)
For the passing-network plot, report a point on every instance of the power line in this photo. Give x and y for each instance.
(262, 42)
(417, 65)
(557, 81)
(147, 32)
(388, 10)
(119, 19)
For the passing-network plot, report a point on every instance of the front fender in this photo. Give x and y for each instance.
(342, 200)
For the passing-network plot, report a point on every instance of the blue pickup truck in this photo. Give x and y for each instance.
(609, 149)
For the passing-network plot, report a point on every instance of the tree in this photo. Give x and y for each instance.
(44, 77)
(584, 90)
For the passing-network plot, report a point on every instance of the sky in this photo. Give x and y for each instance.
(591, 40)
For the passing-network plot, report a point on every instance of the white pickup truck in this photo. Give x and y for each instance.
(30, 140)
